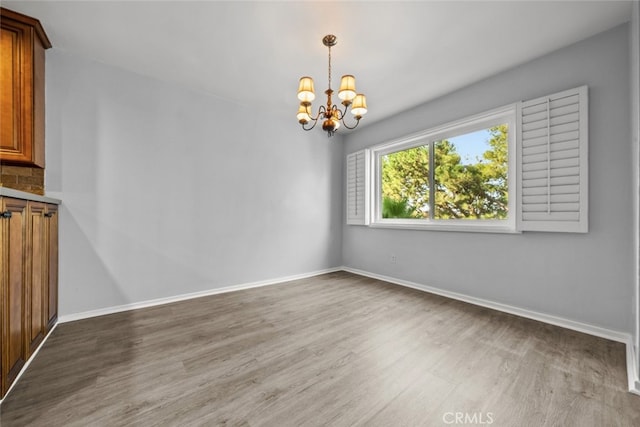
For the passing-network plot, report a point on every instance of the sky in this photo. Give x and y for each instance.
(471, 145)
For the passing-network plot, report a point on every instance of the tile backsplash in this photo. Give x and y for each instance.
(23, 178)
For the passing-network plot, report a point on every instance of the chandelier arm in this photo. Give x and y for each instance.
(341, 113)
(315, 122)
(350, 127)
(321, 111)
(315, 119)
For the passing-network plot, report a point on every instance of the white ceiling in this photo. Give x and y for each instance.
(253, 53)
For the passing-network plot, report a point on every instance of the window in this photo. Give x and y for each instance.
(454, 177)
(519, 168)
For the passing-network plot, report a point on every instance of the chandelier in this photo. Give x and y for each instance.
(331, 113)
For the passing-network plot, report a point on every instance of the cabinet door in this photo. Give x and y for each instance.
(14, 249)
(17, 97)
(22, 42)
(36, 280)
(52, 269)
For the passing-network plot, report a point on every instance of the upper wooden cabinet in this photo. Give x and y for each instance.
(22, 45)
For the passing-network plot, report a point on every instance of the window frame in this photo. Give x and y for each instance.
(486, 120)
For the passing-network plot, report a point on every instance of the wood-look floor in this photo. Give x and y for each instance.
(337, 349)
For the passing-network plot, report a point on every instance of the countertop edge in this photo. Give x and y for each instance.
(17, 194)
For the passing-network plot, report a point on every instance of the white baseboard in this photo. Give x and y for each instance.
(622, 337)
(161, 301)
(632, 368)
(625, 338)
(28, 362)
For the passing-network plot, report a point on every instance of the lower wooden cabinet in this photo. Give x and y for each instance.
(12, 267)
(36, 308)
(28, 279)
(51, 243)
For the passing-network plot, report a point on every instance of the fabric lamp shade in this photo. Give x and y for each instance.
(359, 106)
(303, 114)
(347, 88)
(305, 90)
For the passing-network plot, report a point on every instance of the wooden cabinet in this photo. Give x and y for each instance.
(51, 243)
(12, 267)
(22, 45)
(36, 308)
(28, 279)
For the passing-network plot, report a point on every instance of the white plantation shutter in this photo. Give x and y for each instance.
(357, 185)
(553, 162)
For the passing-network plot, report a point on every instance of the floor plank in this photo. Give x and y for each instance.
(337, 349)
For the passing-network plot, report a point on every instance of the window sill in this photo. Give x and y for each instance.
(447, 226)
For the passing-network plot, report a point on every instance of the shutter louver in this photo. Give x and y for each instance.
(553, 163)
(357, 196)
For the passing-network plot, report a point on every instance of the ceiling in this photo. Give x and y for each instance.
(253, 53)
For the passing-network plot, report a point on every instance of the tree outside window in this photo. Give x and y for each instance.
(470, 178)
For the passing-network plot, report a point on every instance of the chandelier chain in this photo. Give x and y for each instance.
(329, 67)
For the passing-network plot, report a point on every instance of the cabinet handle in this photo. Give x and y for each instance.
(48, 214)
(6, 214)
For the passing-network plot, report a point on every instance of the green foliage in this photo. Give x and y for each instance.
(395, 208)
(405, 177)
(464, 191)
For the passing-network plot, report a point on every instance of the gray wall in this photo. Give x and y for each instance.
(167, 191)
(583, 277)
